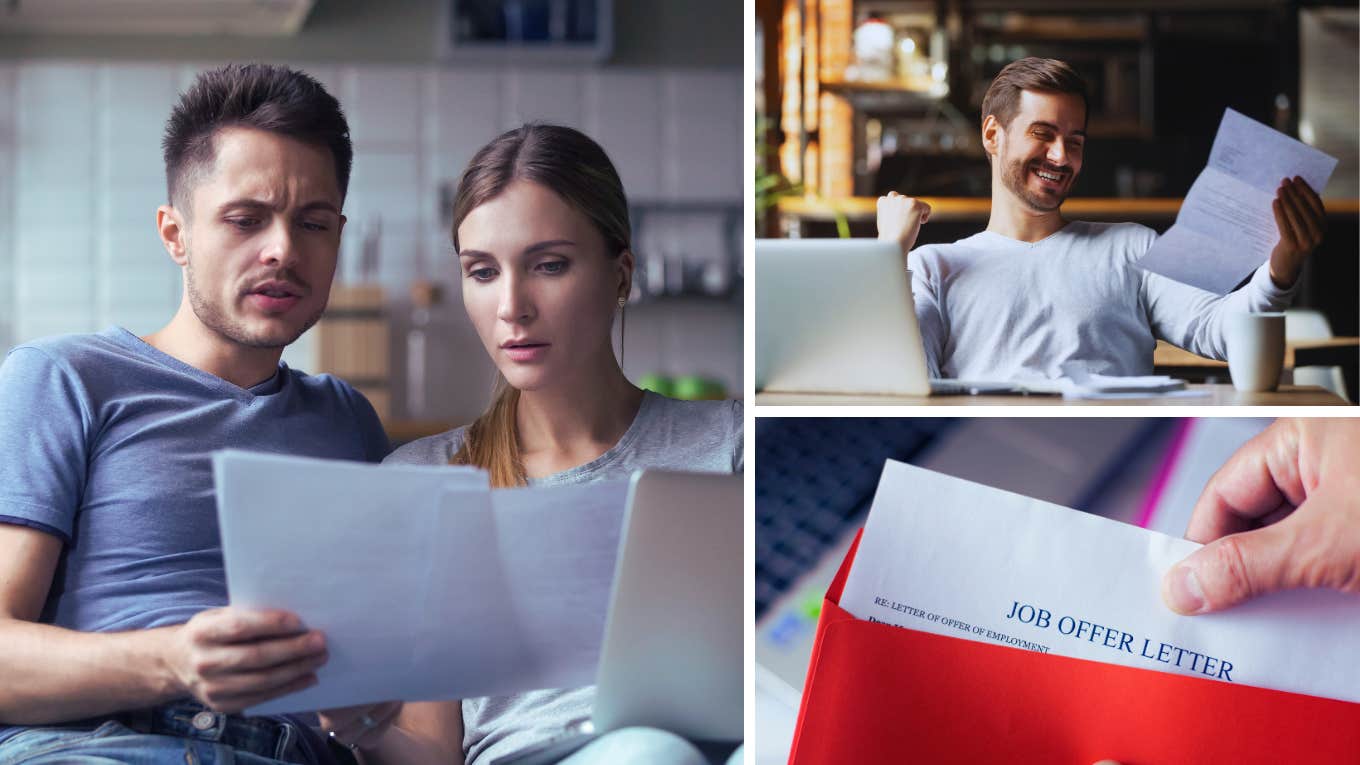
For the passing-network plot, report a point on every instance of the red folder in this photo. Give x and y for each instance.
(880, 693)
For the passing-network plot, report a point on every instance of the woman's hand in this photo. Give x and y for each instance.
(360, 726)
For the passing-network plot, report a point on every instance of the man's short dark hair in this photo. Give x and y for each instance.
(1043, 75)
(261, 96)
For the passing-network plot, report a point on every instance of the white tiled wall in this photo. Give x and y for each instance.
(701, 112)
(54, 210)
(7, 162)
(623, 112)
(134, 279)
(81, 176)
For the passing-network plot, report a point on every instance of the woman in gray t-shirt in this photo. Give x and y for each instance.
(543, 241)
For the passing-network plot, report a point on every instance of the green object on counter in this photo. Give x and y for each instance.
(685, 387)
(659, 384)
(694, 388)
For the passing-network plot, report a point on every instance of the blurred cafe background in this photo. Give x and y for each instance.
(86, 87)
(855, 98)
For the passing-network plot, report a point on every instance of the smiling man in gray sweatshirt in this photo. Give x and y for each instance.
(1035, 290)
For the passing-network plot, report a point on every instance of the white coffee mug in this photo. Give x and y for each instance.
(1255, 350)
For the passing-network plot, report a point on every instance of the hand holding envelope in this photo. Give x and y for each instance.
(1283, 512)
(1051, 644)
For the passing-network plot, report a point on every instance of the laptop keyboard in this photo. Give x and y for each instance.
(949, 388)
(815, 478)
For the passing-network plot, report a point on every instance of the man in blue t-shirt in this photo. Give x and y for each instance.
(115, 640)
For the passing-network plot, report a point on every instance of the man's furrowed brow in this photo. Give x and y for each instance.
(248, 203)
(321, 204)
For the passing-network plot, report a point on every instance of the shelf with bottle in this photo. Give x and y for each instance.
(526, 31)
(903, 54)
(895, 61)
(672, 265)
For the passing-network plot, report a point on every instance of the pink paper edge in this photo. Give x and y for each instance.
(1164, 472)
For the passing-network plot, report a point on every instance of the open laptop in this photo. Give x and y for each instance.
(837, 316)
(673, 645)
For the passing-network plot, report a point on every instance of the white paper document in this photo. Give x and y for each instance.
(1226, 229)
(427, 583)
(956, 558)
(1081, 383)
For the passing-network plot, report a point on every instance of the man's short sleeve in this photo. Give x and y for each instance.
(44, 419)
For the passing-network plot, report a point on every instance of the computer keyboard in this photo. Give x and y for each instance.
(815, 477)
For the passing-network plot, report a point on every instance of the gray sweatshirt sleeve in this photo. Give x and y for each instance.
(738, 437)
(929, 317)
(1193, 319)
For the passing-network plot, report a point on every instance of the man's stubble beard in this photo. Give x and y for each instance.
(1015, 176)
(216, 319)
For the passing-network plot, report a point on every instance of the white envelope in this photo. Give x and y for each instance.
(948, 556)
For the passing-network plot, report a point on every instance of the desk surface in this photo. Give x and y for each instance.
(1332, 350)
(1219, 395)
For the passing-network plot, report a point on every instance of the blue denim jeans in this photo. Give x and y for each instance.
(181, 733)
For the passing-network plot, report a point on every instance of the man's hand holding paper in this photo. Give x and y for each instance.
(1256, 199)
(1301, 220)
(232, 658)
(535, 566)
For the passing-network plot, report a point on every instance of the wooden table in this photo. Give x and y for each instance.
(1332, 351)
(1218, 395)
(1341, 352)
(795, 211)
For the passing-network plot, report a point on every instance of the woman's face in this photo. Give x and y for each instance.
(539, 287)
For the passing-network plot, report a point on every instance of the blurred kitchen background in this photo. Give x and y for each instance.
(86, 87)
(855, 98)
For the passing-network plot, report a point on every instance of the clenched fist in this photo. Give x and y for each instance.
(900, 219)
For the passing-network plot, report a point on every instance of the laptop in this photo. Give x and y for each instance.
(673, 646)
(837, 316)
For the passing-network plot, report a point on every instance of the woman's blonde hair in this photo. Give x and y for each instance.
(574, 167)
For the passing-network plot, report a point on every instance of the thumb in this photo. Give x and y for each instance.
(1233, 569)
